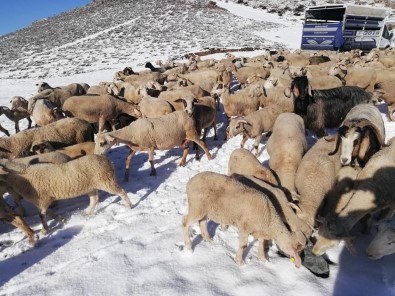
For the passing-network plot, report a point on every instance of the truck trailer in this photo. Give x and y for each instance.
(344, 27)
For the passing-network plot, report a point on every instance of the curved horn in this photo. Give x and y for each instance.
(337, 145)
(366, 123)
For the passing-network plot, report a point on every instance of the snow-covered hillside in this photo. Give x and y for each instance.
(118, 251)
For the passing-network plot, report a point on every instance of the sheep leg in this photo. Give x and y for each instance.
(20, 210)
(93, 199)
(116, 190)
(127, 164)
(256, 144)
(243, 241)
(203, 230)
(261, 249)
(390, 112)
(4, 130)
(29, 120)
(151, 161)
(185, 227)
(102, 122)
(243, 141)
(43, 218)
(193, 136)
(185, 151)
(17, 127)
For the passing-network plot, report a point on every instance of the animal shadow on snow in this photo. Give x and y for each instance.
(139, 178)
(46, 246)
(375, 272)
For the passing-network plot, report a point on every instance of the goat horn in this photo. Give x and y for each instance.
(338, 140)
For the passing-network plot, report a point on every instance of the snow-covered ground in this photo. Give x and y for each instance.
(118, 251)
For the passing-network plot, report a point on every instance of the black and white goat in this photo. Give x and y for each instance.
(360, 135)
(325, 108)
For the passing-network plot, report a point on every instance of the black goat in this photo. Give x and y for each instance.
(325, 108)
(154, 69)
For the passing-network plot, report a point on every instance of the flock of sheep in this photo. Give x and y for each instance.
(322, 194)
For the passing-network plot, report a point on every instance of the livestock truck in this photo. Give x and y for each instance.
(344, 27)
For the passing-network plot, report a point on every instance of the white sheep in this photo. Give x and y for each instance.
(227, 201)
(286, 147)
(383, 243)
(254, 125)
(151, 107)
(149, 134)
(84, 175)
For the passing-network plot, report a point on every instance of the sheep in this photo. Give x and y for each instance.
(72, 151)
(243, 73)
(334, 201)
(19, 102)
(101, 109)
(325, 108)
(131, 93)
(363, 77)
(101, 89)
(240, 103)
(383, 243)
(253, 125)
(44, 112)
(84, 175)
(61, 133)
(286, 147)
(315, 176)
(384, 91)
(168, 131)
(360, 135)
(151, 107)
(153, 68)
(56, 96)
(280, 201)
(227, 201)
(206, 79)
(243, 162)
(15, 115)
(205, 115)
(181, 99)
(75, 89)
(8, 215)
(322, 80)
(374, 191)
(142, 77)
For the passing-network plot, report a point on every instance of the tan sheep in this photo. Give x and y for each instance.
(243, 162)
(84, 175)
(16, 115)
(315, 176)
(227, 201)
(64, 132)
(151, 107)
(286, 147)
(374, 191)
(99, 109)
(254, 125)
(149, 134)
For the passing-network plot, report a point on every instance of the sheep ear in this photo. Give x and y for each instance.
(287, 92)
(343, 68)
(298, 211)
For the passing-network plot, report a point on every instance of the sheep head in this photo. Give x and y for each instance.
(236, 127)
(103, 142)
(355, 138)
(384, 242)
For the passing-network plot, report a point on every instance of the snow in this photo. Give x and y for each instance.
(118, 251)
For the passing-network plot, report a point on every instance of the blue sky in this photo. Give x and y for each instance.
(17, 14)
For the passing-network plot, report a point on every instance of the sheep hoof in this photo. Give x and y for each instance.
(43, 231)
(152, 173)
(240, 262)
(197, 157)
